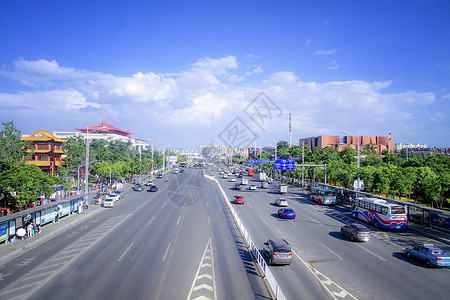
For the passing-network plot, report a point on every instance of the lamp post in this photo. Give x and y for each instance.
(359, 156)
(86, 175)
(389, 142)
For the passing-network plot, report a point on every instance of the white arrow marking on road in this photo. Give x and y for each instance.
(203, 286)
(341, 294)
(204, 276)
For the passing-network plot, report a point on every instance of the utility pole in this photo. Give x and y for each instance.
(303, 162)
(290, 130)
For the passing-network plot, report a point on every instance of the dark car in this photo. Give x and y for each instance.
(286, 213)
(153, 188)
(278, 251)
(138, 187)
(356, 232)
(160, 175)
(237, 186)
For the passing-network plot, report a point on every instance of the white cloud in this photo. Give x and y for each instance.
(210, 93)
(326, 52)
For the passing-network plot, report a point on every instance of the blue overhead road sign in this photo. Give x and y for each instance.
(258, 161)
(284, 164)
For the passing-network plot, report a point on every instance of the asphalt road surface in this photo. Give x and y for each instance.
(376, 269)
(177, 243)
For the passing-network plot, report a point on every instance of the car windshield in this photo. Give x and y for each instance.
(284, 249)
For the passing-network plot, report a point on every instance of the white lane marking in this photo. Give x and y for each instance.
(178, 222)
(209, 221)
(167, 250)
(209, 274)
(164, 205)
(331, 251)
(249, 205)
(264, 221)
(125, 251)
(150, 221)
(314, 220)
(370, 252)
(321, 282)
(292, 222)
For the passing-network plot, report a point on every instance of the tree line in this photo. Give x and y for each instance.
(426, 178)
(22, 184)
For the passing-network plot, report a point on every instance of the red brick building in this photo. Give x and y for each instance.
(47, 151)
(381, 142)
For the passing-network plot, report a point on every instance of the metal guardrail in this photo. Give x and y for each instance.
(274, 287)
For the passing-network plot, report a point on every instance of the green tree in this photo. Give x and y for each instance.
(12, 148)
(426, 186)
(28, 182)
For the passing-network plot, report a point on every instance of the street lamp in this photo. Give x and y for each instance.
(86, 175)
(359, 155)
(389, 142)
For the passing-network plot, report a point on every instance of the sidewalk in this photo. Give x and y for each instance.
(18, 247)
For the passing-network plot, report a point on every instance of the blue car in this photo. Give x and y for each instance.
(429, 254)
(286, 213)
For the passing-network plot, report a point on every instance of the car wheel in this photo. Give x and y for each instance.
(356, 216)
(342, 231)
(408, 255)
(271, 261)
(352, 238)
(428, 263)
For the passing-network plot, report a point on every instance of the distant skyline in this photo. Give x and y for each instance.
(187, 74)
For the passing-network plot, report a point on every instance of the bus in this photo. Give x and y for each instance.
(323, 195)
(380, 213)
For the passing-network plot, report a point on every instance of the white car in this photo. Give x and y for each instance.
(244, 181)
(281, 202)
(148, 183)
(225, 175)
(109, 202)
(233, 179)
(114, 196)
(252, 187)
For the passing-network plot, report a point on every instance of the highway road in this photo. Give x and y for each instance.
(322, 257)
(177, 243)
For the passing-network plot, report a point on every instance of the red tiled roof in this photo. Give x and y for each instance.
(105, 128)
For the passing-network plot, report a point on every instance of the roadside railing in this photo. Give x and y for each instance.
(270, 280)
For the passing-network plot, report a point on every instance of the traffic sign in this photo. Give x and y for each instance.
(284, 164)
(258, 161)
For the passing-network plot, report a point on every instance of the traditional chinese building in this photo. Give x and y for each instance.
(47, 151)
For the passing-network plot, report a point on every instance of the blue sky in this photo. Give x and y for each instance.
(185, 73)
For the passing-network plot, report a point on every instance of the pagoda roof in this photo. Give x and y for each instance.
(42, 136)
(104, 128)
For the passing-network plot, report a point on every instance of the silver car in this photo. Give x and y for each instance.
(278, 252)
(356, 232)
(281, 202)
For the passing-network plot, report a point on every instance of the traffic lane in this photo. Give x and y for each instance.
(237, 275)
(129, 261)
(331, 254)
(20, 265)
(296, 281)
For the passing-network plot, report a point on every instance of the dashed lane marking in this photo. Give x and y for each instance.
(333, 289)
(27, 285)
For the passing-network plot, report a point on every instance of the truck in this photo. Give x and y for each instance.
(262, 176)
(282, 188)
(251, 172)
